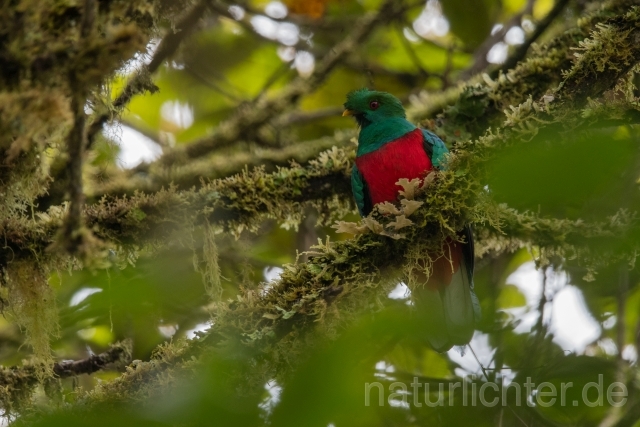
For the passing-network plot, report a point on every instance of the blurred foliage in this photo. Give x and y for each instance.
(469, 22)
(154, 296)
(588, 176)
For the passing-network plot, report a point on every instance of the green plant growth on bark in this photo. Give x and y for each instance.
(145, 294)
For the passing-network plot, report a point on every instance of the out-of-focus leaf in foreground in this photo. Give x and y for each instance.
(583, 177)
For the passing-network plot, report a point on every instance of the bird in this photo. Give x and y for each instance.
(390, 148)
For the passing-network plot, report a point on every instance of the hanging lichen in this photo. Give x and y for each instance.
(32, 304)
(207, 265)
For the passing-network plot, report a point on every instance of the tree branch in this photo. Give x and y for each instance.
(73, 235)
(324, 182)
(469, 111)
(293, 305)
(140, 81)
(18, 382)
(214, 86)
(216, 166)
(346, 273)
(72, 232)
(118, 353)
(609, 53)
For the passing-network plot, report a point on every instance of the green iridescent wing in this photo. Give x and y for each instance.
(435, 148)
(360, 192)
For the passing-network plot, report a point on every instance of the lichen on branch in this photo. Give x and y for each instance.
(344, 278)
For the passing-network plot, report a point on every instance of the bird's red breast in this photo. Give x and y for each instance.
(404, 157)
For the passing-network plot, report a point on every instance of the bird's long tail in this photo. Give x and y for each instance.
(447, 301)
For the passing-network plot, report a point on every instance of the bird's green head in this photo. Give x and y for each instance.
(370, 106)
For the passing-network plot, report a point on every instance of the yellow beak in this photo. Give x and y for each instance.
(348, 113)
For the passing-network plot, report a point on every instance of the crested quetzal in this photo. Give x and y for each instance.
(390, 148)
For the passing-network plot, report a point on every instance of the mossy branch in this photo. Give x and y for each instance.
(243, 201)
(216, 166)
(349, 273)
(470, 110)
(612, 49)
(43, 57)
(235, 203)
(17, 383)
(118, 353)
(72, 233)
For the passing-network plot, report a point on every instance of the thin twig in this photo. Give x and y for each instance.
(93, 363)
(616, 413)
(475, 356)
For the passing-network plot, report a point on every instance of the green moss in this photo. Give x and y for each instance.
(474, 107)
(341, 279)
(611, 50)
(33, 306)
(207, 265)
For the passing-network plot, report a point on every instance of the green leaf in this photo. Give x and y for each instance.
(586, 177)
(510, 296)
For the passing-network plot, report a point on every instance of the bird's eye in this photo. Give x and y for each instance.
(374, 105)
